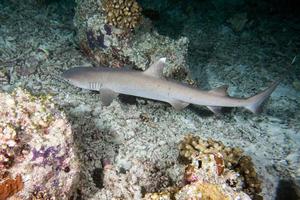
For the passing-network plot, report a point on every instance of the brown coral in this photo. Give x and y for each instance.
(123, 14)
(193, 147)
(252, 183)
(11, 186)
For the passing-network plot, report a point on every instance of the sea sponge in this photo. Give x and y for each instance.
(123, 14)
(195, 148)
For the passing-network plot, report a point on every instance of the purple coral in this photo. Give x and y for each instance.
(90, 39)
(49, 156)
(107, 29)
(95, 42)
(100, 41)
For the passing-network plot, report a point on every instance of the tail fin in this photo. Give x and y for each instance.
(256, 101)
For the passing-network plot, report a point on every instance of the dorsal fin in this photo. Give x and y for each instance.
(156, 69)
(220, 91)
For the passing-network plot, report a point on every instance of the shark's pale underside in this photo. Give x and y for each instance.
(152, 85)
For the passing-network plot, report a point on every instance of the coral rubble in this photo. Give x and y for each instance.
(131, 183)
(36, 147)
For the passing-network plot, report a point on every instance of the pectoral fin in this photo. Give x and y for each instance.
(178, 105)
(217, 110)
(107, 96)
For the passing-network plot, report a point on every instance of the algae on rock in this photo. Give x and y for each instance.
(36, 143)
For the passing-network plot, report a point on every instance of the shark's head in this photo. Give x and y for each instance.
(77, 76)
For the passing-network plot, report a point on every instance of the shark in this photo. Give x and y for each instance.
(151, 84)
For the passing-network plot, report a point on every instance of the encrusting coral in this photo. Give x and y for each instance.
(123, 14)
(35, 143)
(194, 148)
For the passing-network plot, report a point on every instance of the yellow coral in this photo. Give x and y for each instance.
(205, 191)
(41, 195)
(123, 14)
(198, 190)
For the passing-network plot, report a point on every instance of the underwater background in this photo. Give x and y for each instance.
(58, 141)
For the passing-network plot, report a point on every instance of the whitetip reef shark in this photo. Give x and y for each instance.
(152, 85)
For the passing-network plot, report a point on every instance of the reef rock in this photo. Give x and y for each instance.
(114, 33)
(37, 159)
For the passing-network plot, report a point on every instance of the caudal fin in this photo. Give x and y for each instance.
(256, 102)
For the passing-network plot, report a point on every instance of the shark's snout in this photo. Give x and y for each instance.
(67, 75)
(71, 75)
(76, 76)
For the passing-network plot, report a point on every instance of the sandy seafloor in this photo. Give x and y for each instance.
(37, 45)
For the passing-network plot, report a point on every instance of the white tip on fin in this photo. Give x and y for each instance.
(156, 69)
(163, 59)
